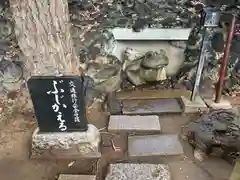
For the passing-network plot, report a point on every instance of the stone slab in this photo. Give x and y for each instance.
(193, 106)
(76, 177)
(66, 145)
(223, 104)
(154, 145)
(124, 123)
(152, 94)
(152, 106)
(138, 172)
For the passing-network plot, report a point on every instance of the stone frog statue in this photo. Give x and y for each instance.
(141, 68)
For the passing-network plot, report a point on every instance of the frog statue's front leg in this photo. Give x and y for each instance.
(131, 66)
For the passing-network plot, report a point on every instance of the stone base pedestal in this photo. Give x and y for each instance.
(193, 106)
(66, 145)
(223, 104)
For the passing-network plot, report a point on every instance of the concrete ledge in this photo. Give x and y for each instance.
(223, 104)
(152, 94)
(152, 34)
(76, 177)
(124, 123)
(193, 106)
(66, 145)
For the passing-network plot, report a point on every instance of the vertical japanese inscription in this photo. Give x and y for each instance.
(74, 101)
(57, 104)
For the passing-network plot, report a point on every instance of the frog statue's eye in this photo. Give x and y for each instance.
(149, 54)
(163, 52)
(130, 3)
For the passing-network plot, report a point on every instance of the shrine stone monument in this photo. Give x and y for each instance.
(63, 130)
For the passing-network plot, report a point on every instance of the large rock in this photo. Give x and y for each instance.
(138, 172)
(106, 73)
(10, 75)
(111, 80)
(216, 133)
(6, 28)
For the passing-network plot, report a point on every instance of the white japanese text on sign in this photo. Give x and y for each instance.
(56, 106)
(74, 101)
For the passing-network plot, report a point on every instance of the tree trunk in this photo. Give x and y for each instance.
(43, 32)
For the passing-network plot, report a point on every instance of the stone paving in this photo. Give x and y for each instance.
(143, 146)
(157, 153)
(15, 141)
(139, 172)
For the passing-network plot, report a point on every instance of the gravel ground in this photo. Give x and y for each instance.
(18, 123)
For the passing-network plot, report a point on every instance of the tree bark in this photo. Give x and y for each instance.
(43, 32)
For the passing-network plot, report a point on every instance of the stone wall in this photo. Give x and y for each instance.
(92, 22)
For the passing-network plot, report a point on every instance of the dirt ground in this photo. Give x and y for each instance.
(15, 137)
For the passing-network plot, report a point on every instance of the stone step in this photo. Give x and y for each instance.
(152, 94)
(124, 171)
(154, 145)
(76, 177)
(123, 123)
(151, 106)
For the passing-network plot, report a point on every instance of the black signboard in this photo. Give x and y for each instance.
(59, 103)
